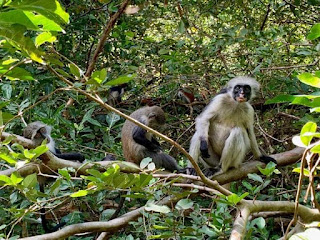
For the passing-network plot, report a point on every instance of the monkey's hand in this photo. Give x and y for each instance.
(267, 159)
(155, 145)
(188, 170)
(204, 149)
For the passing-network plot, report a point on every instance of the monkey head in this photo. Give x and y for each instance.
(155, 117)
(243, 89)
(37, 131)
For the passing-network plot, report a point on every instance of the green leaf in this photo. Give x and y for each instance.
(314, 32)
(28, 19)
(16, 73)
(247, 185)
(158, 227)
(112, 118)
(7, 158)
(44, 37)
(234, 198)
(163, 51)
(30, 181)
(16, 178)
(184, 204)
(306, 172)
(38, 151)
(255, 177)
(268, 170)
(65, 174)
(80, 193)
(29, 154)
(316, 149)
(8, 140)
(144, 179)
(308, 127)
(15, 33)
(95, 173)
(309, 79)
(5, 179)
(181, 27)
(75, 70)
(121, 80)
(280, 99)
(49, 8)
(98, 77)
(6, 116)
(55, 186)
(157, 208)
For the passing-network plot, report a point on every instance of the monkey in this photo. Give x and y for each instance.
(224, 130)
(115, 94)
(186, 96)
(138, 144)
(38, 132)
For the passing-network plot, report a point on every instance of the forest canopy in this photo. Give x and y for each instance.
(61, 61)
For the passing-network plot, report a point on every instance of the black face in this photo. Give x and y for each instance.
(242, 93)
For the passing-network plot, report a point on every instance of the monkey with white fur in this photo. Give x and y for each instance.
(224, 130)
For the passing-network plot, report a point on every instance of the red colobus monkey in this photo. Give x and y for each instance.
(38, 131)
(186, 96)
(138, 144)
(224, 130)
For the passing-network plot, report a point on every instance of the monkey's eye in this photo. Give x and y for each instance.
(247, 89)
(42, 130)
(236, 89)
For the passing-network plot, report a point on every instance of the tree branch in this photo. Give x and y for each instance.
(99, 226)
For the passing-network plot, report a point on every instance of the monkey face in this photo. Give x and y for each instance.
(241, 93)
(42, 134)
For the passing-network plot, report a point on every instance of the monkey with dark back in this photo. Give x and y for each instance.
(38, 132)
(115, 94)
(138, 144)
(225, 129)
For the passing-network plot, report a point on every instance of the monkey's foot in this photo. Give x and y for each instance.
(209, 172)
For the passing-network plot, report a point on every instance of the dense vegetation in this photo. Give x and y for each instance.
(58, 63)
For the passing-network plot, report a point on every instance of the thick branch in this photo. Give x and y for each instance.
(283, 159)
(54, 163)
(307, 215)
(100, 226)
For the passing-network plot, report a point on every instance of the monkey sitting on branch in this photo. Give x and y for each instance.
(138, 144)
(38, 132)
(224, 130)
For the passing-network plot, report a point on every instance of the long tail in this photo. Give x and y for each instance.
(44, 221)
(194, 149)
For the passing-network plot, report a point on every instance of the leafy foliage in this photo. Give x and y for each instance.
(160, 47)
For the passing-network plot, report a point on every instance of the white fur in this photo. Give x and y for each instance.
(227, 126)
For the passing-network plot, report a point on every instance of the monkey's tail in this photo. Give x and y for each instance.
(194, 149)
(44, 221)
